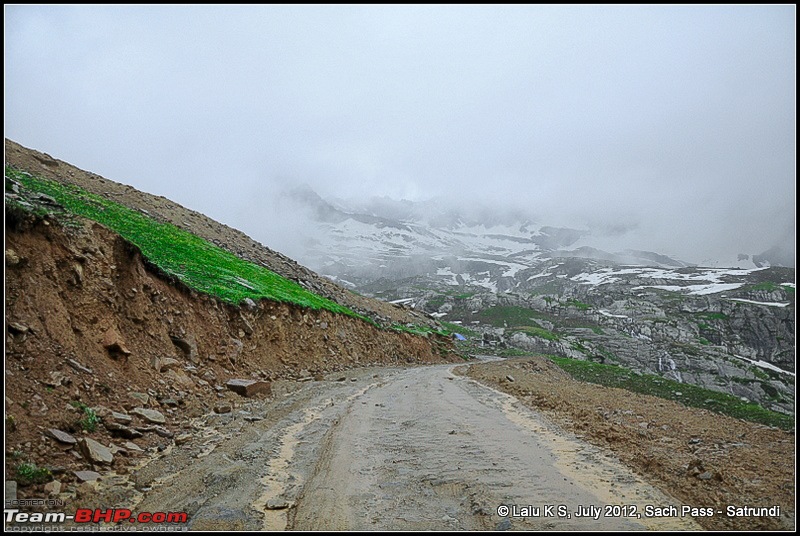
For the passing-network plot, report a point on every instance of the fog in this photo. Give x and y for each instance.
(661, 128)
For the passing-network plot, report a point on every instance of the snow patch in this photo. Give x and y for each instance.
(765, 365)
(769, 304)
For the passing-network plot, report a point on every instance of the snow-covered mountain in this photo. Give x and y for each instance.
(727, 327)
(385, 239)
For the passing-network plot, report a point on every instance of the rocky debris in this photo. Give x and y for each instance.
(142, 398)
(52, 488)
(121, 430)
(149, 415)
(223, 408)
(77, 366)
(112, 341)
(160, 364)
(16, 327)
(187, 345)
(132, 447)
(61, 437)
(57, 379)
(182, 439)
(94, 452)
(12, 259)
(277, 503)
(86, 476)
(249, 388)
(122, 418)
(248, 303)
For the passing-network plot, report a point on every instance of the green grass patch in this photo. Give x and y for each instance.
(418, 330)
(29, 473)
(769, 286)
(197, 263)
(508, 315)
(704, 341)
(458, 328)
(89, 420)
(712, 316)
(690, 395)
(788, 289)
(535, 331)
(578, 304)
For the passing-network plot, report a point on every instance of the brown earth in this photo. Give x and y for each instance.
(233, 240)
(86, 319)
(702, 458)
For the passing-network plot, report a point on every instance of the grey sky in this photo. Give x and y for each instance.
(677, 122)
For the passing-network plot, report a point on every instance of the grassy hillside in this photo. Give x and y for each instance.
(197, 263)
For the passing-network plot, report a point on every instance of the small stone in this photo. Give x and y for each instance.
(708, 475)
(276, 504)
(121, 430)
(132, 447)
(123, 418)
(12, 259)
(112, 341)
(510, 378)
(250, 304)
(160, 364)
(142, 398)
(62, 437)
(163, 432)
(16, 327)
(223, 408)
(182, 439)
(77, 366)
(249, 388)
(94, 452)
(695, 441)
(52, 487)
(149, 415)
(187, 344)
(86, 476)
(56, 379)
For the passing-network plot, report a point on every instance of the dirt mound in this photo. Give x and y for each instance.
(103, 349)
(164, 210)
(702, 458)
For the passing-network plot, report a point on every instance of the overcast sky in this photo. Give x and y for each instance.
(676, 123)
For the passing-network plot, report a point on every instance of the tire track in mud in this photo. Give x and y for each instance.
(428, 450)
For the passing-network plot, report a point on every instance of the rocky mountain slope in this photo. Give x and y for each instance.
(108, 353)
(546, 289)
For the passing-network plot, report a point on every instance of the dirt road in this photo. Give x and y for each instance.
(417, 448)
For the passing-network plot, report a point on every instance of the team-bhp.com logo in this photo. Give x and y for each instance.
(96, 515)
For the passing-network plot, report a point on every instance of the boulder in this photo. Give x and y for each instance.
(94, 452)
(249, 388)
(149, 415)
(62, 437)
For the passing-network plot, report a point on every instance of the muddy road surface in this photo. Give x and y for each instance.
(388, 449)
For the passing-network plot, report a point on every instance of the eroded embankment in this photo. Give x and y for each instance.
(90, 324)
